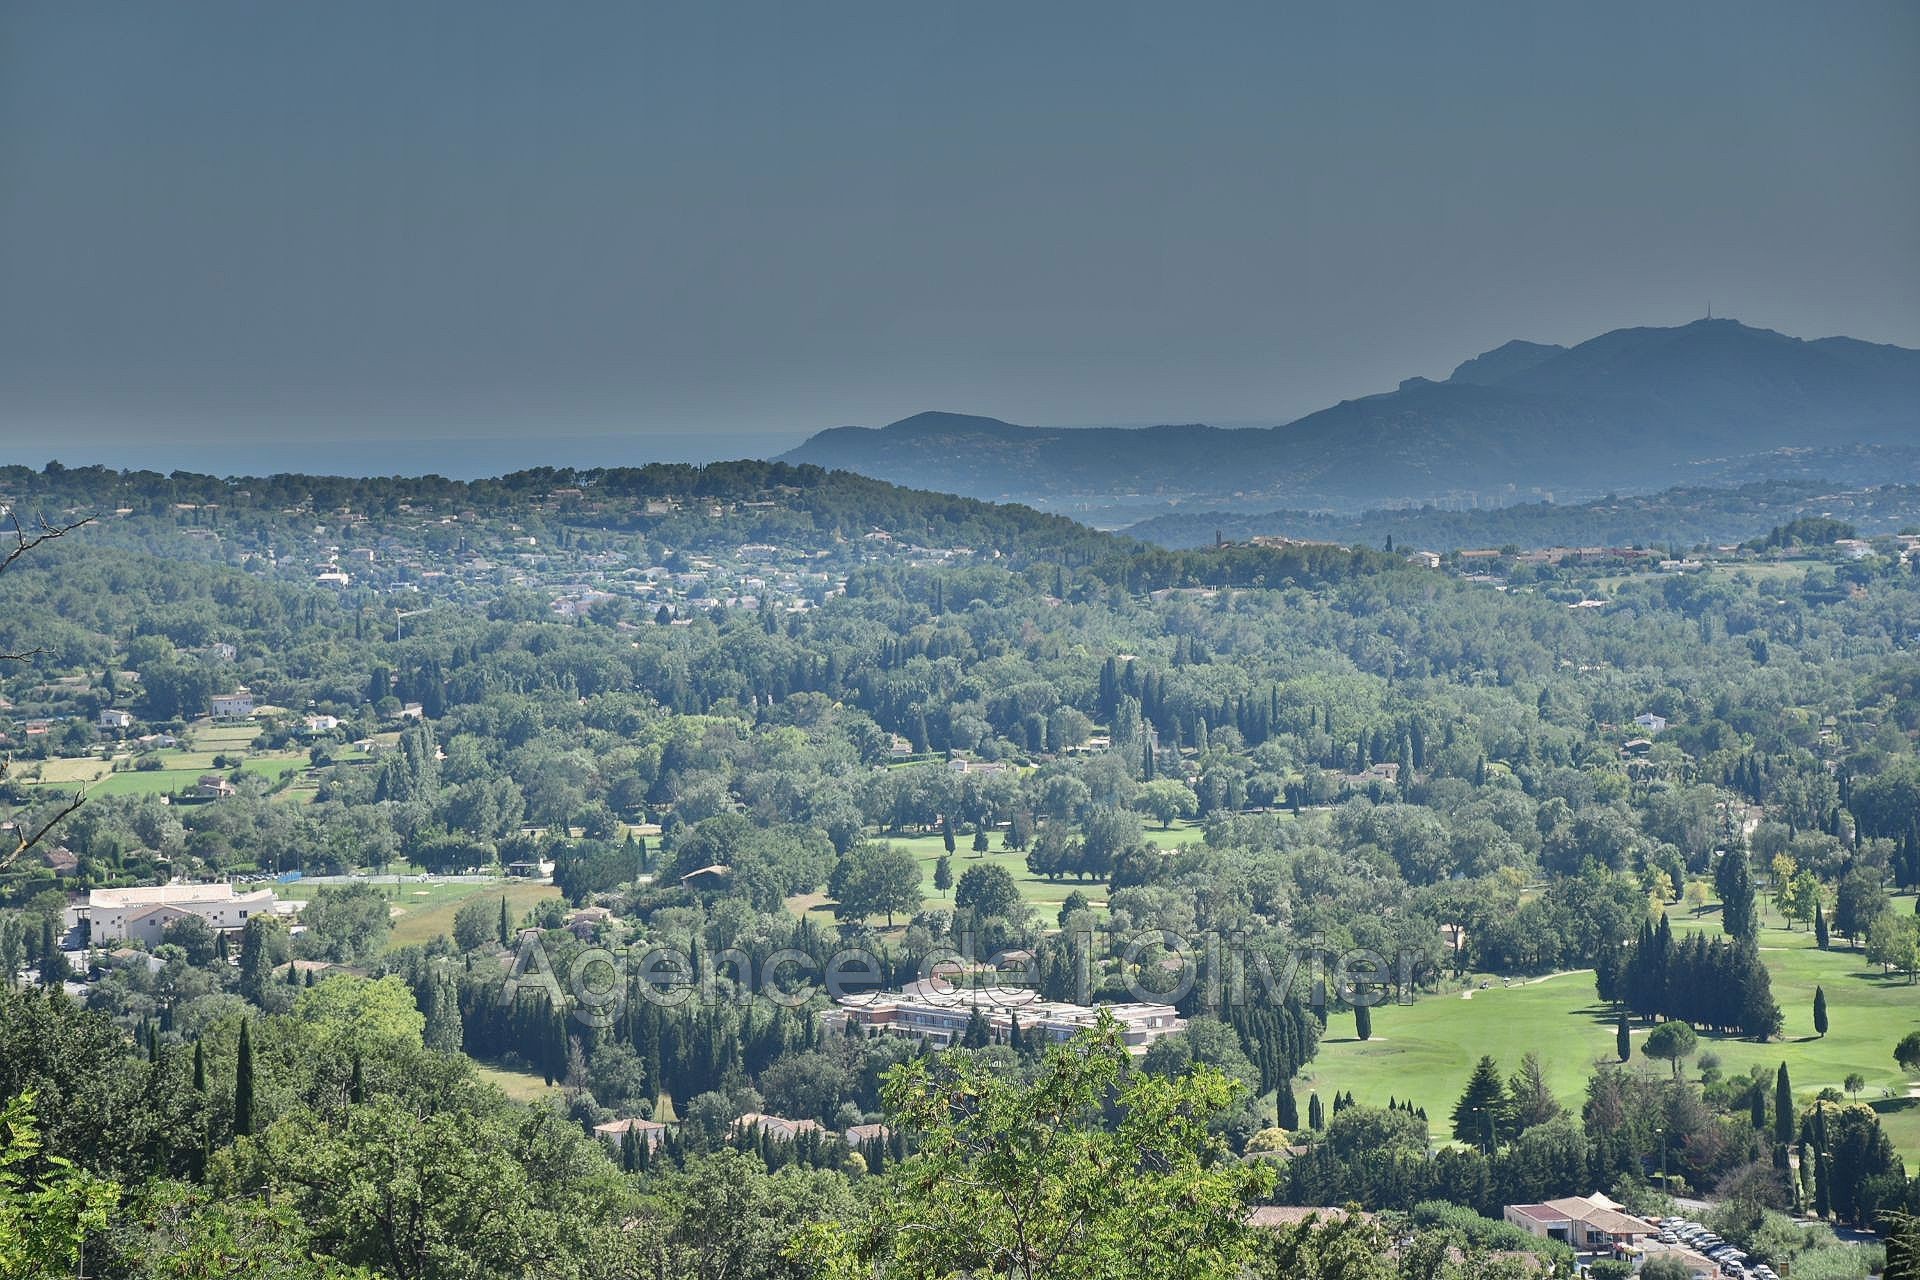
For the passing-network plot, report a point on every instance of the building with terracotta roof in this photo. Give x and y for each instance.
(1591, 1224)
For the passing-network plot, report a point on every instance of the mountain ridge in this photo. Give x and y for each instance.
(1633, 408)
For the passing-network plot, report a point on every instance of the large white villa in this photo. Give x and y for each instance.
(140, 914)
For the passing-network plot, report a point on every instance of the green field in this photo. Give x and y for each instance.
(184, 774)
(427, 910)
(1426, 1051)
(521, 1086)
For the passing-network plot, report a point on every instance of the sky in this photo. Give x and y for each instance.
(378, 237)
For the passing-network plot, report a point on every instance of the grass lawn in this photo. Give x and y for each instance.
(1426, 1051)
(521, 1086)
(223, 737)
(59, 772)
(427, 910)
(183, 771)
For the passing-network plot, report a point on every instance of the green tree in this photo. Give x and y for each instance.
(243, 1082)
(943, 874)
(1783, 1112)
(989, 891)
(1799, 899)
(1738, 916)
(357, 1013)
(1622, 1040)
(875, 879)
(1481, 1116)
(1820, 1011)
(1167, 799)
(54, 969)
(1030, 1180)
(473, 924)
(1671, 1042)
(48, 1207)
(1907, 1053)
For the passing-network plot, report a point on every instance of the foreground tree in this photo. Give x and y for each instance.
(47, 1207)
(1035, 1181)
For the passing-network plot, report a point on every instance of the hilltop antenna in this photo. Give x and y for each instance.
(1709, 308)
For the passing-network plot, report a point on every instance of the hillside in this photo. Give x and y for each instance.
(1679, 517)
(1634, 409)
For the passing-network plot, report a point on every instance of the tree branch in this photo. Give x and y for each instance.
(25, 841)
(43, 531)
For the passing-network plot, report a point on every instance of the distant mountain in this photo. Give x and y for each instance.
(1630, 410)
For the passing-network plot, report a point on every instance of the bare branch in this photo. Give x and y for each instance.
(43, 531)
(25, 841)
(23, 542)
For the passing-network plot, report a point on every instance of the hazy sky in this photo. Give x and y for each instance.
(287, 225)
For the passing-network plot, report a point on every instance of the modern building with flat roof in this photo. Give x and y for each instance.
(141, 914)
(940, 1013)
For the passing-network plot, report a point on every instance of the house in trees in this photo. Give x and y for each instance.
(778, 1128)
(237, 705)
(1653, 724)
(1591, 1224)
(650, 1133)
(115, 720)
(712, 876)
(214, 786)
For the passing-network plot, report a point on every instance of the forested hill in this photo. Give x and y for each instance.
(640, 517)
(1678, 517)
(1634, 409)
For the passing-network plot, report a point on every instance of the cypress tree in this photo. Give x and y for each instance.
(503, 920)
(1316, 1113)
(199, 1067)
(1782, 1106)
(1820, 925)
(1820, 1011)
(1758, 1105)
(1363, 1022)
(1623, 1040)
(243, 1084)
(356, 1084)
(1289, 1106)
(1736, 891)
(1823, 1185)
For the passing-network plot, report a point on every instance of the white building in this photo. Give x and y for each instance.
(940, 1013)
(115, 718)
(141, 914)
(1652, 723)
(237, 705)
